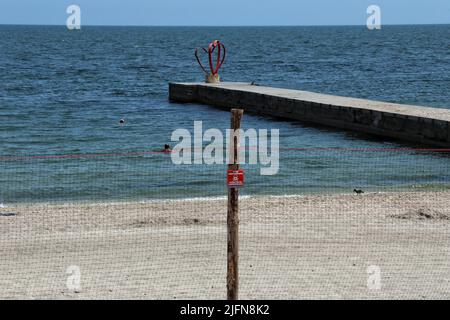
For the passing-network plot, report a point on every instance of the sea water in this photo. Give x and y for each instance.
(62, 94)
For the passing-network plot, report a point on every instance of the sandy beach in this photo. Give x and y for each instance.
(297, 247)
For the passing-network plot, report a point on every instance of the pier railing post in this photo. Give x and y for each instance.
(233, 210)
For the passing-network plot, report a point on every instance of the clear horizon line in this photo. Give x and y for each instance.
(226, 26)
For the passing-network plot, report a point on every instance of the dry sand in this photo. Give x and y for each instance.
(302, 247)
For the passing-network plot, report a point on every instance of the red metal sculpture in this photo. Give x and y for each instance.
(213, 75)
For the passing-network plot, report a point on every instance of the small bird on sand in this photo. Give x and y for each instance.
(358, 191)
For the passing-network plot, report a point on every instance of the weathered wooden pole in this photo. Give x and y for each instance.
(233, 209)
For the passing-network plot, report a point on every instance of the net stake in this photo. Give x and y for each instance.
(233, 210)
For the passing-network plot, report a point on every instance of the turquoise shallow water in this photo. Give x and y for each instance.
(63, 93)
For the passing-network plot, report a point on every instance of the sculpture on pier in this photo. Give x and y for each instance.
(212, 76)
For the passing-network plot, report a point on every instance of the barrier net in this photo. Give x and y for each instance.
(333, 223)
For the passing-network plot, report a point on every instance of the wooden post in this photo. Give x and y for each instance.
(233, 210)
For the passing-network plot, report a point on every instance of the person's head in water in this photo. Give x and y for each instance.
(166, 148)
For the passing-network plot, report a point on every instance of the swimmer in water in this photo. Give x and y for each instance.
(167, 149)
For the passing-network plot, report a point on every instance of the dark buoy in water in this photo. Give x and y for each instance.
(122, 121)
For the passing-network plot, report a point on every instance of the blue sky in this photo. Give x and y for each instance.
(227, 12)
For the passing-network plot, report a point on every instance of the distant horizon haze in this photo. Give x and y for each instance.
(225, 26)
(233, 13)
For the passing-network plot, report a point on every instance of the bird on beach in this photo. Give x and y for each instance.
(359, 192)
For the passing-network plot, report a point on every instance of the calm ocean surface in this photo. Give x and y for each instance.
(63, 93)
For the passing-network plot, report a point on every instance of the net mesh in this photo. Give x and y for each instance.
(70, 229)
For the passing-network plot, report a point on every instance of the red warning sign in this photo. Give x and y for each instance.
(235, 178)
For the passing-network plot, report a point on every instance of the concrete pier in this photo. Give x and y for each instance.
(423, 125)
